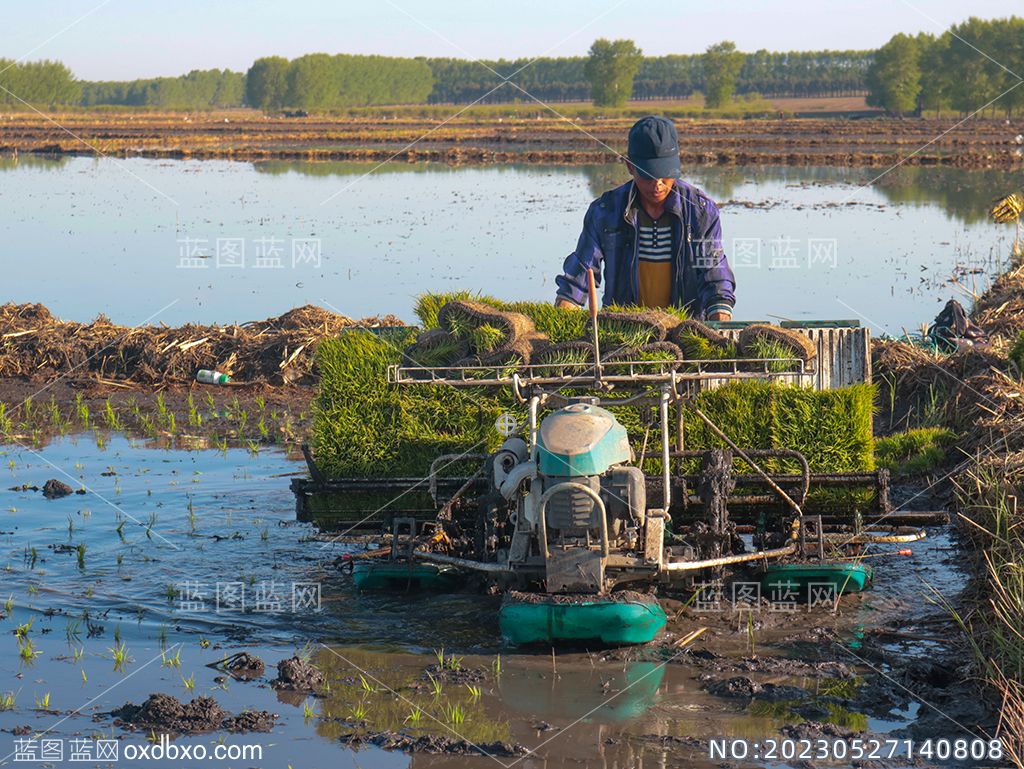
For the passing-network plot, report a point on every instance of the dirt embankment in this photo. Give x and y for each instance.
(38, 346)
(976, 143)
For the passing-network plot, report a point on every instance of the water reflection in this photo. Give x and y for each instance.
(388, 233)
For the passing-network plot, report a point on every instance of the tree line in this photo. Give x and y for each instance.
(970, 65)
(39, 83)
(768, 73)
(199, 89)
(908, 75)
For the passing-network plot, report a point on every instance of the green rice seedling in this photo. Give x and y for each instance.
(78, 653)
(194, 417)
(120, 530)
(414, 717)
(474, 691)
(27, 651)
(496, 665)
(43, 703)
(436, 687)
(172, 426)
(915, 451)
(439, 655)
(72, 631)
(80, 556)
(119, 654)
(454, 714)
(21, 631)
(778, 355)
(82, 410)
(9, 604)
(366, 685)
(171, 662)
(307, 710)
(429, 305)
(111, 417)
(619, 332)
(486, 338)
(55, 416)
(262, 428)
(6, 423)
(696, 347)
(7, 701)
(85, 678)
(190, 682)
(170, 591)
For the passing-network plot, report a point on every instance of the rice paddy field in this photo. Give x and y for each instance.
(264, 261)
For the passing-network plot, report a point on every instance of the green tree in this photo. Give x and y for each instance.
(722, 65)
(610, 68)
(894, 77)
(266, 83)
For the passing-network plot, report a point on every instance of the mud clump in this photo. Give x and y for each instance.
(432, 743)
(166, 714)
(295, 674)
(243, 666)
(54, 489)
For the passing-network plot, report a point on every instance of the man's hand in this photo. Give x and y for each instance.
(720, 315)
(565, 304)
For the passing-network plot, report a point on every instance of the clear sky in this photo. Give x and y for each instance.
(126, 39)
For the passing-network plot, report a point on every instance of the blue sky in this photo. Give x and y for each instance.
(125, 39)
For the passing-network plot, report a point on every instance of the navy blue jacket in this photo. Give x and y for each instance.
(702, 283)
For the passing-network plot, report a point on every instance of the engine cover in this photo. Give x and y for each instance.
(581, 439)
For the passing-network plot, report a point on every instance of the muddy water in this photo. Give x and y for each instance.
(199, 527)
(806, 243)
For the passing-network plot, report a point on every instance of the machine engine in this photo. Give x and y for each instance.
(576, 499)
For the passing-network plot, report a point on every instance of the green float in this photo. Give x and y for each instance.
(845, 576)
(404, 576)
(613, 623)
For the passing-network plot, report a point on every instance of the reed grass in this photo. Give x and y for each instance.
(987, 493)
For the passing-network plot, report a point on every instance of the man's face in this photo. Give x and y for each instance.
(653, 191)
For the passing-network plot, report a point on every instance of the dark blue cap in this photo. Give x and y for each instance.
(654, 147)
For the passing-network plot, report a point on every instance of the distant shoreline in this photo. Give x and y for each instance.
(490, 139)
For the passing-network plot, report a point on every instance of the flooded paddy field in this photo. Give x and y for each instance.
(176, 242)
(184, 551)
(175, 561)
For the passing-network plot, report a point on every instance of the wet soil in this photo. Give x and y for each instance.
(297, 674)
(432, 743)
(166, 714)
(978, 143)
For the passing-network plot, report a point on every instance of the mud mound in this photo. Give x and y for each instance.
(296, 674)
(432, 743)
(166, 714)
(243, 666)
(35, 345)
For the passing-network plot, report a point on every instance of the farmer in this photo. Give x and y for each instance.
(654, 241)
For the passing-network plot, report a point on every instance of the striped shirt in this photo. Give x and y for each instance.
(654, 249)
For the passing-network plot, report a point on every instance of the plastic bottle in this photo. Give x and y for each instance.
(212, 377)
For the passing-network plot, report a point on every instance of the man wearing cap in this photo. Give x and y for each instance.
(655, 241)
